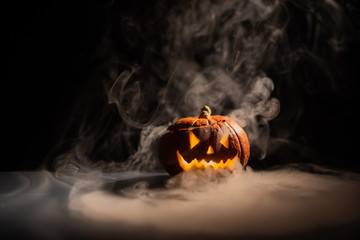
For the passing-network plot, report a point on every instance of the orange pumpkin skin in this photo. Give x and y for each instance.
(203, 141)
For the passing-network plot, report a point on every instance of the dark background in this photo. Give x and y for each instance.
(51, 59)
(46, 48)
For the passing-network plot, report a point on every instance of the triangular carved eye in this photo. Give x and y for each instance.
(225, 140)
(194, 140)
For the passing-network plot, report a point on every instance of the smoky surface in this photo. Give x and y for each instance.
(277, 203)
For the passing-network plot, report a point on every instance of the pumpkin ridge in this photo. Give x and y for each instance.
(244, 159)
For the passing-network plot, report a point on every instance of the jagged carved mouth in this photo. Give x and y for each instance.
(229, 163)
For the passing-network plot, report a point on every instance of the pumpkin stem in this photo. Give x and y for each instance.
(205, 112)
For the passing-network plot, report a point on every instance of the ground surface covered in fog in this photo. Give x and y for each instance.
(204, 204)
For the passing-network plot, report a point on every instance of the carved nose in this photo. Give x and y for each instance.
(210, 150)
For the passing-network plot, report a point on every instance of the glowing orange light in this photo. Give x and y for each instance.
(225, 140)
(210, 150)
(193, 140)
(230, 163)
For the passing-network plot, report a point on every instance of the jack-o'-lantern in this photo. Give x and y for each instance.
(203, 142)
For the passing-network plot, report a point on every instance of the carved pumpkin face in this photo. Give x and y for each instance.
(203, 142)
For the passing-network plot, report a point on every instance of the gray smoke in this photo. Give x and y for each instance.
(211, 53)
(212, 59)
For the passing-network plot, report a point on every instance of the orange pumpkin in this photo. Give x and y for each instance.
(202, 142)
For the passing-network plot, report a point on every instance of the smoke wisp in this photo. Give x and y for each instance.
(209, 53)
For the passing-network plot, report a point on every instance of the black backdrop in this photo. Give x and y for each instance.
(49, 52)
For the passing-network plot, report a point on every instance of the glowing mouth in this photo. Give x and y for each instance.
(230, 163)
